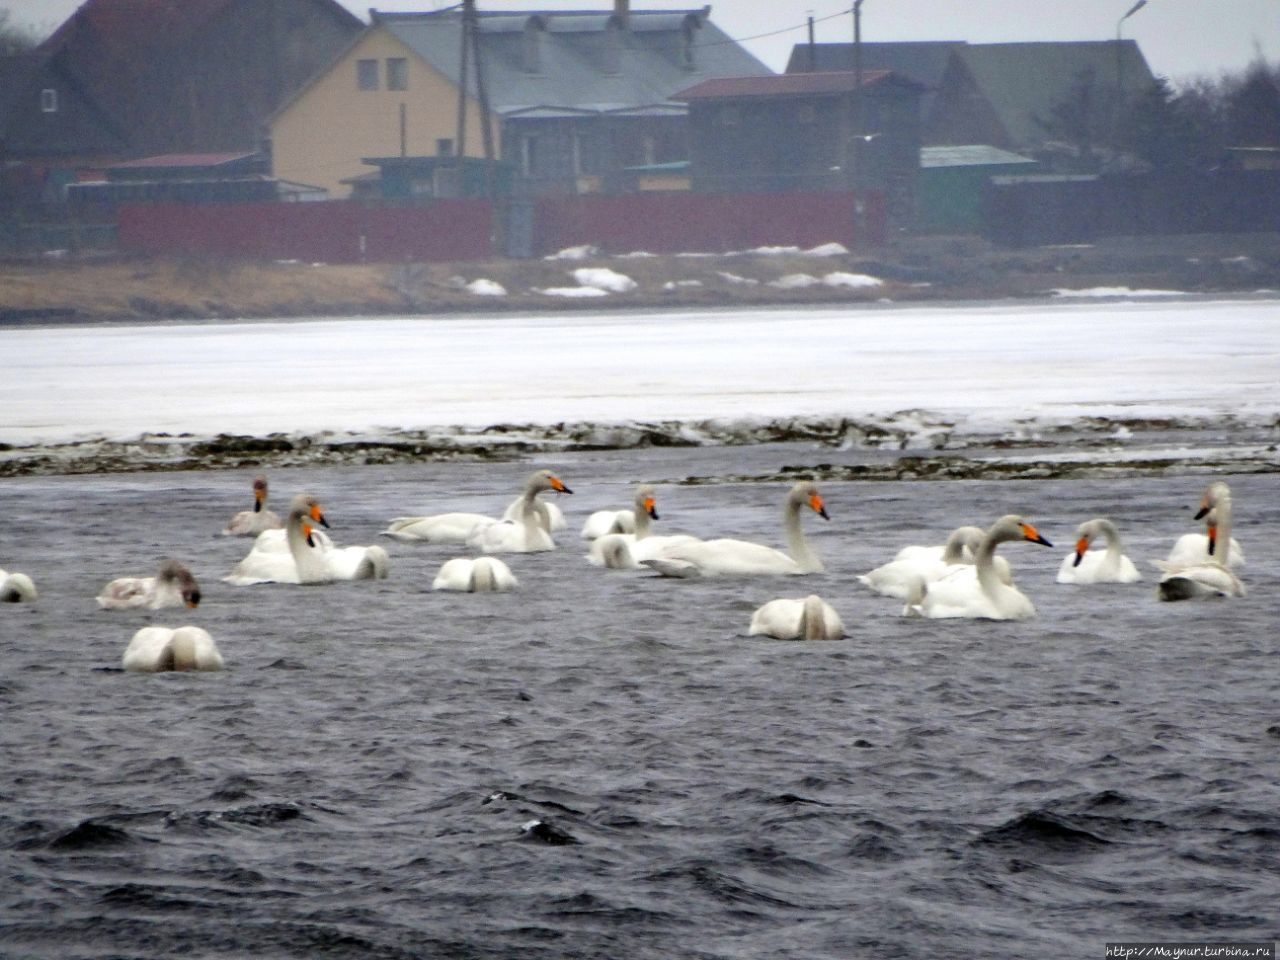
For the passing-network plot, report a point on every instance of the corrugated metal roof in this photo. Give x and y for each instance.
(976, 155)
(175, 160)
(784, 85)
(576, 68)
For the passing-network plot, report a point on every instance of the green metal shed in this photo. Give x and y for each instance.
(952, 180)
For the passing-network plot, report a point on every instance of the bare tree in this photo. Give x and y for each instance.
(15, 38)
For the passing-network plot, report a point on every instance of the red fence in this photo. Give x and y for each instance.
(347, 232)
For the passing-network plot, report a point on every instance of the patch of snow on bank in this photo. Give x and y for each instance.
(840, 279)
(681, 284)
(602, 278)
(734, 278)
(574, 253)
(486, 288)
(794, 281)
(571, 292)
(828, 250)
(1116, 292)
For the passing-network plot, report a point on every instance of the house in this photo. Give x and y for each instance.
(1006, 95)
(574, 97)
(122, 79)
(803, 132)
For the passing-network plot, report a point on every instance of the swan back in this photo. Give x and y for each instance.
(157, 649)
(809, 618)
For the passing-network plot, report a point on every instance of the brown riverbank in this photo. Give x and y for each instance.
(106, 288)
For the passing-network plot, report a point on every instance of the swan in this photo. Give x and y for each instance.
(526, 535)
(481, 575)
(809, 618)
(1195, 548)
(550, 516)
(458, 527)
(980, 594)
(16, 588)
(1205, 578)
(154, 649)
(172, 586)
(310, 558)
(1111, 566)
(603, 522)
(250, 523)
(728, 557)
(621, 551)
(896, 578)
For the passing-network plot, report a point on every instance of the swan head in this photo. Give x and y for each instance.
(1211, 527)
(1215, 494)
(1085, 534)
(305, 510)
(961, 538)
(645, 500)
(805, 493)
(1013, 527)
(259, 492)
(171, 571)
(546, 480)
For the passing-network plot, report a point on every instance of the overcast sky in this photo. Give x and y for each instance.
(1180, 38)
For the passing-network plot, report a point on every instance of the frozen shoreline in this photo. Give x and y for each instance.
(902, 378)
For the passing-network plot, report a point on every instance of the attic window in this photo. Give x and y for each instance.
(397, 73)
(367, 74)
(49, 101)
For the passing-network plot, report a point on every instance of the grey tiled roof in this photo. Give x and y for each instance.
(575, 67)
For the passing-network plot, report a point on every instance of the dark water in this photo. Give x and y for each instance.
(357, 782)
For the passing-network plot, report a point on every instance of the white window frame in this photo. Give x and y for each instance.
(48, 100)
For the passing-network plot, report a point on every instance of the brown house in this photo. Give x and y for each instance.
(131, 78)
(807, 132)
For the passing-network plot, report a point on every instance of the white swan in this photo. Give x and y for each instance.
(980, 594)
(481, 575)
(17, 588)
(728, 557)
(1195, 548)
(250, 523)
(154, 649)
(172, 586)
(809, 618)
(604, 522)
(1110, 566)
(1207, 578)
(550, 516)
(897, 577)
(457, 527)
(311, 557)
(526, 535)
(620, 551)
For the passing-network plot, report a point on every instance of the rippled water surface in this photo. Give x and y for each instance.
(361, 779)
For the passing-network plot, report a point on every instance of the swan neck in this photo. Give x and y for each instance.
(797, 543)
(644, 524)
(985, 562)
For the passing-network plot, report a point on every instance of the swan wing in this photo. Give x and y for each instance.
(16, 588)
(727, 557)
(193, 649)
(439, 528)
(604, 522)
(148, 651)
(124, 593)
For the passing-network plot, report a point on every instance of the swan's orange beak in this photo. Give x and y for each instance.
(306, 532)
(1032, 534)
(1081, 546)
(1213, 537)
(259, 497)
(318, 516)
(651, 507)
(558, 485)
(818, 507)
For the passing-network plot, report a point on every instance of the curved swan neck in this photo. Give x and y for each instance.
(644, 524)
(1222, 534)
(1112, 535)
(797, 543)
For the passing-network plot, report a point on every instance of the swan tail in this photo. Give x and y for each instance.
(375, 565)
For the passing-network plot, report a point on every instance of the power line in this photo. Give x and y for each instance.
(774, 33)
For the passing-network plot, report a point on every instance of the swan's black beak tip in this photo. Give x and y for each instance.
(1079, 557)
(1201, 513)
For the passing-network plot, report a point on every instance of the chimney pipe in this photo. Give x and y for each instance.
(622, 10)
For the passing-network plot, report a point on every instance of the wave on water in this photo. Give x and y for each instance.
(929, 445)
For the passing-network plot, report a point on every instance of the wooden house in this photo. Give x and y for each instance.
(574, 97)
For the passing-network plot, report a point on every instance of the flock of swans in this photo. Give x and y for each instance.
(961, 578)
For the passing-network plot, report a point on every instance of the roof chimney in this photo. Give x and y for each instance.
(622, 10)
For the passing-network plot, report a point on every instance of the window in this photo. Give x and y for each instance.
(49, 101)
(444, 147)
(367, 74)
(397, 73)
